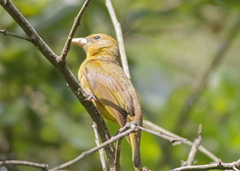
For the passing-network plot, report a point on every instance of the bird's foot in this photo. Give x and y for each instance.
(90, 97)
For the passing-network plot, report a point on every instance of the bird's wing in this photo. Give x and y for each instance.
(110, 85)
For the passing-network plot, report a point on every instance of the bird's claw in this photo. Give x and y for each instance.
(90, 97)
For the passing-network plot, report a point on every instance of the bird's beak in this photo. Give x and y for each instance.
(79, 41)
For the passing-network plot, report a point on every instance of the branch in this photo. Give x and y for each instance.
(145, 169)
(201, 148)
(132, 129)
(29, 30)
(194, 148)
(65, 72)
(7, 33)
(117, 155)
(72, 32)
(126, 130)
(161, 135)
(101, 152)
(44, 167)
(222, 166)
(118, 30)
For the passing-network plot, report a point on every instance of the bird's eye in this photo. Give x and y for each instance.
(97, 37)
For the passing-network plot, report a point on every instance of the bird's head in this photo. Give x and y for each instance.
(99, 45)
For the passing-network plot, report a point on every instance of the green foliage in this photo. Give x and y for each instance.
(169, 45)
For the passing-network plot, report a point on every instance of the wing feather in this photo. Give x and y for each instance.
(110, 88)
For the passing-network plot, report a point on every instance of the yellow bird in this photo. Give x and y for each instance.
(102, 77)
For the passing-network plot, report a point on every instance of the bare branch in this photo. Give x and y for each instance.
(145, 169)
(101, 152)
(65, 72)
(218, 165)
(72, 32)
(201, 148)
(7, 33)
(132, 129)
(235, 168)
(194, 148)
(129, 128)
(29, 30)
(160, 134)
(118, 30)
(44, 167)
(117, 155)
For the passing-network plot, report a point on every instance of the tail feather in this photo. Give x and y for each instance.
(135, 143)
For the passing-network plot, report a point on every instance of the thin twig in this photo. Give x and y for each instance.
(94, 149)
(145, 169)
(65, 72)
(194, 148)
(118, 30)
(44, 167)
(201, 148)
(126, 130)
(7, 33)
(101, 151)
(72, 32)
(218, 165)
(160, 134)
(117, 155)
(235, 168)
(30, 31)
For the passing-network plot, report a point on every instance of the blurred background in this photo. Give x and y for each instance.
(169, 45)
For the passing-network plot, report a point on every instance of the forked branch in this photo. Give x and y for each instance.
(64, 71)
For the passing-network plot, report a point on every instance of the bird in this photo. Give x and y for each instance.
(101, 75)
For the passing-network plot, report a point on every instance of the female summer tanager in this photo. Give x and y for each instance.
(101, 75)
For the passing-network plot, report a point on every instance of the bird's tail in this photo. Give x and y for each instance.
(135, 143)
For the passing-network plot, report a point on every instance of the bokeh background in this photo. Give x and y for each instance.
(169, 45)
